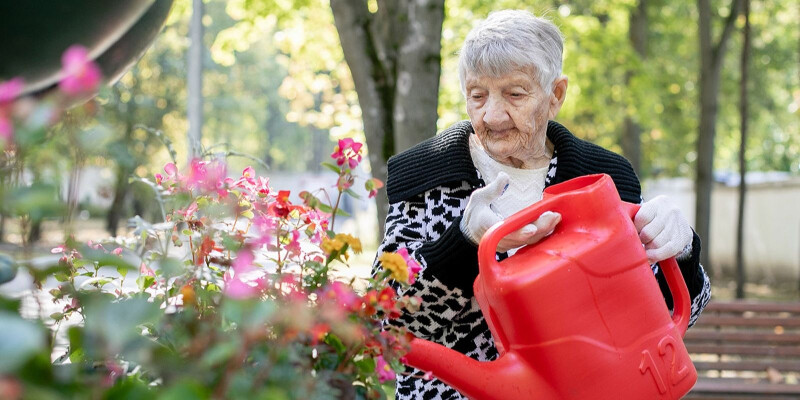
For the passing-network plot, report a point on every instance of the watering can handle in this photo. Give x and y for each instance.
(487, 250)
(681, 302)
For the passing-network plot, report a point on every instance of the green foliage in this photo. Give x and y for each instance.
(246, 307)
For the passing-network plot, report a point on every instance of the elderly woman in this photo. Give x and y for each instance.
(446, 192)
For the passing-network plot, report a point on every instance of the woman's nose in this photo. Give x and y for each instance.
(495, 112)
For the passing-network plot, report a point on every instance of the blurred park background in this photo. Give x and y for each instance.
(695, 93)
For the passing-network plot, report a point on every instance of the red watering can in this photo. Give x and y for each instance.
(577, 315)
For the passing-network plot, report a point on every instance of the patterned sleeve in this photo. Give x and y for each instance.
(695, 277)
(449, 261)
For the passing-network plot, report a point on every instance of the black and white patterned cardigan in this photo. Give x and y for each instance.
(428, 188)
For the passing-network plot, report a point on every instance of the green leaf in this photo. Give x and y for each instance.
(248, 214)
(170, 267)
(336, 343)
(129, 388)
(76, 355)
(37, 201)
(325, 208)
(61, 277)
(117, 323)
(19, 340)
(185, 390)
(331, 167)
(104, 259)
(219, 353)
(341, 212)
(352, 193)
(123, 272)
(366, 365)
(10, 305)
(145, 281)
(57, 316)
(75, 336)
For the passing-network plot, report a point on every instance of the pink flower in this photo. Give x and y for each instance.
(144, 270)
(9, 90)
(243, 262)
(207, 176)
(264, 227)
(246, 181)
(343, 295)
(348, 151)
(117, 251)
(262, 186)
(384, 371)
(81, 74)
(171, 170)
(248, 174)
(294, 245)
(189, 211)
(372, 185)
(413, 266)
(344, 182)
(428, 376)
(235, 288)
(58, 249)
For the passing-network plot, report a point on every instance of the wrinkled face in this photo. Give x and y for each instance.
(509, 114)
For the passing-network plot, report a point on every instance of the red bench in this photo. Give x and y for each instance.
(746, 350)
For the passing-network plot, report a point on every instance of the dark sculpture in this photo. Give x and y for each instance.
(35, 34)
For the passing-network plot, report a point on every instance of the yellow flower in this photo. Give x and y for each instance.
(329, 246)
(354, 243)
(396, 264)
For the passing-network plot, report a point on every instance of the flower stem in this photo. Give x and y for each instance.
(335, 208)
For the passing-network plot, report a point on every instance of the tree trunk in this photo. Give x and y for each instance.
(394, 58)
(711, 56)
(631, 137)
(35, 232)
(116, 209)
(418, 69)
(740, 270)
(195, 80)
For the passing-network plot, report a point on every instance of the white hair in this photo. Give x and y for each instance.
(509, 40)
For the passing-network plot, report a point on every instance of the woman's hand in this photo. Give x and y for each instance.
(479, 217)
(662, 229)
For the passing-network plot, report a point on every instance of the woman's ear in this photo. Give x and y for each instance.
(557, 96)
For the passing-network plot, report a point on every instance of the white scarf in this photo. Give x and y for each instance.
(524, 188)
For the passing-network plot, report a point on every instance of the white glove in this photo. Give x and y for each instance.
(662, 229)
(478, 217)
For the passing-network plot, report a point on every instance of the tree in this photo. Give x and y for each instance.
(711, 59)
(394, 57)
(195, 79)
(637, 33)
(740, 270)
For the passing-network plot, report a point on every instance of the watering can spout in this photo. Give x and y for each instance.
(479, 379)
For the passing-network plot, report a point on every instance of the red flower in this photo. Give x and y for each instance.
(318, 332)
(205, 248)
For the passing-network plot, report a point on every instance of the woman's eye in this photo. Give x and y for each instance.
(516, 95)
(477, 96)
